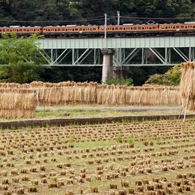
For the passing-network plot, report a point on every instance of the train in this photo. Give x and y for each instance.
(131, 29)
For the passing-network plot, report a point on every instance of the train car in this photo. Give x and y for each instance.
(21, 30)
(130, 29)
(70, 30)
(111, 30)
(177, 28)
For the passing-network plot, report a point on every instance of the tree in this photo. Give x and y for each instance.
(174, 74)
(171, 77)
(20, 59)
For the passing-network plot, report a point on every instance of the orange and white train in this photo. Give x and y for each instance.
(186, 28)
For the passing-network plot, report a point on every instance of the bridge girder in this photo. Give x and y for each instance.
(123, 57)
(139, 51)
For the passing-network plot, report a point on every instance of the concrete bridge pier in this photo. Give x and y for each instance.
(107, 68)
(120, 72)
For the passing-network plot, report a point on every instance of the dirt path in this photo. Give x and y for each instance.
(117, 108)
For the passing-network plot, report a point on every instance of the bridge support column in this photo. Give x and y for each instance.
(107, 68)
(120, 72)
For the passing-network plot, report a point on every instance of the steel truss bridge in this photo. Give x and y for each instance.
(136, 51)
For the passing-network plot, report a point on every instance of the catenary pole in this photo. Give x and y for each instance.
(118, 17)
(105, 35)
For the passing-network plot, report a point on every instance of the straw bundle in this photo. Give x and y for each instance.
(93, 92)
(78, 92)
(86, 93)
(187, 86)
(17, 103)
(133, 94)
(121, 95)
(100, 89)
(152, 95)
(68, 93)
(106, 95)
(112, 95)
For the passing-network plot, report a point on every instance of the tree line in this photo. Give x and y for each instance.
(58, 12)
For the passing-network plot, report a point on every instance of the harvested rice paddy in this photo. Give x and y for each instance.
(149, 157)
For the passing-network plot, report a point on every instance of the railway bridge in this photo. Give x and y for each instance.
(122, 53)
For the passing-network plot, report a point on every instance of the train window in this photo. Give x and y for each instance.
(135, 28)
(177, 27)
(139, 28)
(117, 28)
(142, 28)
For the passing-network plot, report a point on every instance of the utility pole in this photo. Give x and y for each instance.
(107, 68)
(105, 26)
(118, 50)
(118, 17)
